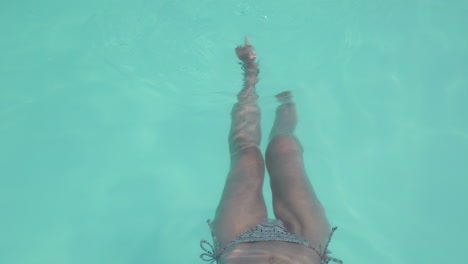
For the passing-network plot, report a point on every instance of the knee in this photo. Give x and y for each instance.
(284, 144)
(248, 152)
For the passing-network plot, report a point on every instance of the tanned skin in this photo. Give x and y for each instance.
(242, 205)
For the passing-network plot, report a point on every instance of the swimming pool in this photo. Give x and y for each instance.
(114, 121)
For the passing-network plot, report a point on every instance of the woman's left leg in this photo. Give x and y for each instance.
(294, 198)
(242, 205)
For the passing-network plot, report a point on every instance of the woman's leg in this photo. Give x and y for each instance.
(242, 205)
(294, 199)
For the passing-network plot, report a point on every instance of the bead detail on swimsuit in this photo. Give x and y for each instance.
(324, 256)
(210, 256)
(268, 231)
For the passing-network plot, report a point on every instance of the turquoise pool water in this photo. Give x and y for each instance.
(115, 114)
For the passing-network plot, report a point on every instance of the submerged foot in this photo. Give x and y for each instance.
(284, 97)
(286, 117)
(245, 53)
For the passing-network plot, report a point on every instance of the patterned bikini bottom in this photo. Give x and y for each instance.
(269, 230)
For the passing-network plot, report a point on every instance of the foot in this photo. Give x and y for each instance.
(249, 66)
(284, 97)
(286, 117)
(245, 53)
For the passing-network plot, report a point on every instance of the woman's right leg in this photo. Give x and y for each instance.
(294, 200)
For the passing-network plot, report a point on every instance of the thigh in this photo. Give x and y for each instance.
(294, 199)
(242, 205)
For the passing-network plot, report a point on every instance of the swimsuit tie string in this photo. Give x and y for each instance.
(324, 256)
(209, 255)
